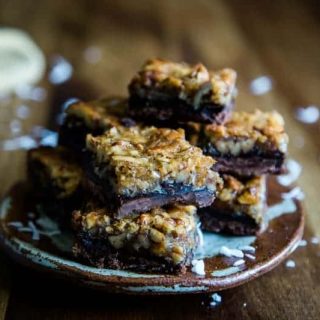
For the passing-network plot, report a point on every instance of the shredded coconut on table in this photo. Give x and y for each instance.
(215, 300)
(303, 243)
(198, 267)
(290, 264)
(247, 248)
(250, 256)
(315, 240)
(225, 251)
(294, 171)
(35, 231)
(49, 228)
(239, 263)
(15, 224)
(295, 193)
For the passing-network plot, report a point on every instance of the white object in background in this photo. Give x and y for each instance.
(21, 60)
(310, 114)
(261, 85)
(294, 170)
(61, 70)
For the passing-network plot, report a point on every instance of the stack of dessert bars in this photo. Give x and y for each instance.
(140, 173)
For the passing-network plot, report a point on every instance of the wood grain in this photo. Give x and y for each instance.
(279, 39)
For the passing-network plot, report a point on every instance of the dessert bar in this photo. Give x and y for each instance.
(135, 169)
(55, 177)
(178, 92)
(161, 240)
(249, 144)
(238, 209)
(93, 117)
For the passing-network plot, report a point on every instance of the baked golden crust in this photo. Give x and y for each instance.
(245, 196)
(57, 168)
(142, 159)
(244, 131)
(103, 113)
(186, 82)
(163, 232)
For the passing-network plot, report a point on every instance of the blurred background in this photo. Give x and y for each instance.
(89, 49)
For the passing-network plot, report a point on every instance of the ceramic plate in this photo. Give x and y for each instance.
(36, 241)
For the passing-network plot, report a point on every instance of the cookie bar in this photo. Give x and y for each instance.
(178, 92)
(55, 177)
(249, 144)
(136, 169)
(238, 209)
(160, 240)
(93, 117)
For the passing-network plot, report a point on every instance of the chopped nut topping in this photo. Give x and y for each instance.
(243, 192)
(148, 231)
(103, 113)
(245, 196)
(144, 159)
(244, 130)
(56, 167)
(184, 81)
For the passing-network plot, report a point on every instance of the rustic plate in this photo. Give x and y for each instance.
(35, 241)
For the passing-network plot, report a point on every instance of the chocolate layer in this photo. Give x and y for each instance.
(123, 206)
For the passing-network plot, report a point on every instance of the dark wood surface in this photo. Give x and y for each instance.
(276, 38)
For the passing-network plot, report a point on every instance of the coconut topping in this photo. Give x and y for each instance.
(165, 232)
(143, 159)
(190, 83)
(244, 131)
(247, 195)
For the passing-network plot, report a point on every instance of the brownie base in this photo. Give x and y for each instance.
(172, 111)
(224, 222)
(99, 254)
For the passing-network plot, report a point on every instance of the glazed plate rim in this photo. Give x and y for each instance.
(139, 283)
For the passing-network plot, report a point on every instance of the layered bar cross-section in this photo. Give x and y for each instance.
(249, 144)
(178, 92)
(239, 208)
(160, 240)
(135, 169)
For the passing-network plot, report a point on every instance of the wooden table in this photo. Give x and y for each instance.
(280, 39)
